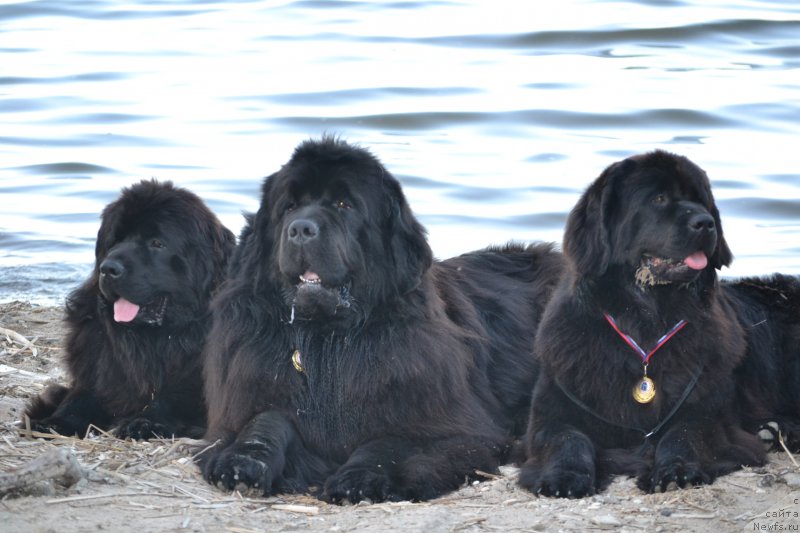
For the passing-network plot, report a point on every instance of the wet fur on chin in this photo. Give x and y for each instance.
(141, 379)
(632, 210)
(422, 379)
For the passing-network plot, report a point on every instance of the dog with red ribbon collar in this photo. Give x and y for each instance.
(644, 353)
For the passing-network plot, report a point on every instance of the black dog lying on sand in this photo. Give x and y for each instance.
(343, 357)
(649, 366)
(768, 382)
(137, 325)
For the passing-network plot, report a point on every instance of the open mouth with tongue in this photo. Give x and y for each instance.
(313, 298)
(660, 271)
(310, 278)
(152, 313)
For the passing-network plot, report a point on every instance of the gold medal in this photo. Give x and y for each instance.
(296, 362)
(645, 390)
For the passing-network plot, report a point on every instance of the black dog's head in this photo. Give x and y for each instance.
(160, 253)
(335, 234)
(652, 215)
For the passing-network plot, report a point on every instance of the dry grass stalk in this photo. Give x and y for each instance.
(487, 475)
(786, 449)
(6, 370)
(233, 529)
(303, 509)
(162, 468)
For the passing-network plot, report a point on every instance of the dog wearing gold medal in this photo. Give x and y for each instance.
(640, 343)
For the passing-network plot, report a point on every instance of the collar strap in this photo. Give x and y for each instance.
(647, 434)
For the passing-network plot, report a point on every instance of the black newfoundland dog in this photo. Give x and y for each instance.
(641, 346)
(769, 380)
(343, 360)
(137, 325)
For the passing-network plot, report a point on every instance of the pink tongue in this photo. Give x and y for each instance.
(310, 276)
(697, 261)
(125, 311)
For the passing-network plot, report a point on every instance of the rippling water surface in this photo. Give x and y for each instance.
(495, 115)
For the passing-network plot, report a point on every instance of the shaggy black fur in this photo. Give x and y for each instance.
(343, 357)
(768, 383)
(137, 325)
(643, 243)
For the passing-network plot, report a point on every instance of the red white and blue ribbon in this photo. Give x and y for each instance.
(638, 349)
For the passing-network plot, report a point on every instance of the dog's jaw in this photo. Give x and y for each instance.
(313, 298)
(654, 270)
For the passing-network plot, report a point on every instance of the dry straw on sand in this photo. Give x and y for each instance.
(51, 483)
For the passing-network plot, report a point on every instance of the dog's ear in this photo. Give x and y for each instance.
(253, 255)
(408, 244)
(261, 226)
(224, 243)
(213, 242)
(110, 222)
(722, 255)
(586, 236)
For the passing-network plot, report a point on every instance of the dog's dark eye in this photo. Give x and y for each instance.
(660, 199)
(155, 243)
(291, 206)
(342, 204)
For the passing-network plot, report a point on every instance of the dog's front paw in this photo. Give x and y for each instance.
(62, 426)
(357, 484)
(770, 434)
(142, 428)
(232, 470)
(673, 475)
(558, 482)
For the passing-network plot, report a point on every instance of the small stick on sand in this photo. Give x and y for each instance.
(783, 445)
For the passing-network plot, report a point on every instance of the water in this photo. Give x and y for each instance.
(495, 115)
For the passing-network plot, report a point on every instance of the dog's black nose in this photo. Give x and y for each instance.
(701, 222)
(303, 230)
(112, 268)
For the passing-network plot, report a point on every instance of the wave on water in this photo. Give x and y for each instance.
(43, 283)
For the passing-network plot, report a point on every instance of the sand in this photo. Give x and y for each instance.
(154, 486)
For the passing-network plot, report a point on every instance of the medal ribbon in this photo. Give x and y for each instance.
(632, 343)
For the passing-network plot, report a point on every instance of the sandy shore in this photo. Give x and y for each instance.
(153, 486)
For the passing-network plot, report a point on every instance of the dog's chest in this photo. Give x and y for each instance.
(334, 397)
(611, 385)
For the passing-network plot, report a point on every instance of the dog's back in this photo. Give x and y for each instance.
(767, 382)
(508, 288)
